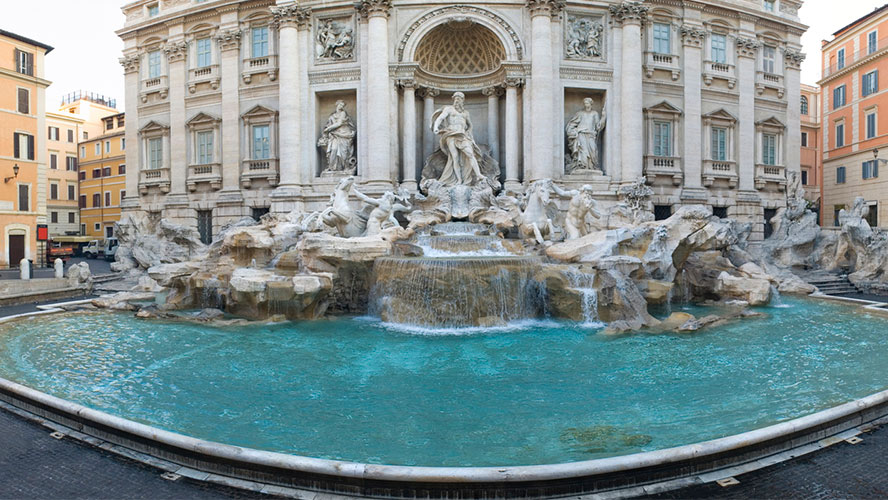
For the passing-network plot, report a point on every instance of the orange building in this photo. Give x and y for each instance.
(22, 146)
(103, 178)
(854, 123)
(811, 161)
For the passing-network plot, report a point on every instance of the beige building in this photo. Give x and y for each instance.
(810, 157)
(103, 178)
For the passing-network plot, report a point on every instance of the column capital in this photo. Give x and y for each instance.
(793, 58)
(492, 91)
(406, 83)
(513, 81)
(374, 8)
(629, 12)
(130, 63)
(176, 51)
(693, 36)
(428, 92)
(291, 16)
(544, 7)
(229, 39)
(747, 47)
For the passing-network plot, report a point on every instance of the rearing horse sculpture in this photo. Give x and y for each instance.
(533, 221)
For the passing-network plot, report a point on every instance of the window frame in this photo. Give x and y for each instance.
(718, 54)
(841, 90)
(769, 59)
(27, 101)
(804, 105)
(769, 149)
(655, 41)
(203, 52)
(839, 130)
(155, 69)
(869, 83)
(872, 42)
(841, 175)
(840, 58)
(870, 115)
(262, 43)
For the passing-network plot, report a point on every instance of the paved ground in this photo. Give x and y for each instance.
(96, 266)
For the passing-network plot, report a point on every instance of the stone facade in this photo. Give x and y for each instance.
(227, 100)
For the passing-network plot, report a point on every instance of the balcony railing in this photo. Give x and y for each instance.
(205, 74)
(863, 53)
(719, 169)
(770, 173)
(253, 170)
(667, 62)
(207, 172)
(258, 65)
(665, 166)
(769, 81)
(155, 177)
(716, 70)
(158, 84)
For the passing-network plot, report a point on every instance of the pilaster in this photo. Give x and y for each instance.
(379, 91)
(130, 65)
(792, 77)
(229, 43)
(176, 52)
(541, 88)
(692, 158)
(747, 49)
(631, 16)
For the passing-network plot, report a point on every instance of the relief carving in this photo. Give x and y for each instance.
(583, 39)
(335, 40)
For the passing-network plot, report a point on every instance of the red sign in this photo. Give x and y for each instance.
(42, 232)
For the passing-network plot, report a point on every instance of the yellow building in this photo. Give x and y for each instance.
(22, 146)
(103, 178)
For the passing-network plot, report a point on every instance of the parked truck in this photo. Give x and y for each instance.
(58, 250)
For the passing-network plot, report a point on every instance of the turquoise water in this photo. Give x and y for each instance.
(541, 392)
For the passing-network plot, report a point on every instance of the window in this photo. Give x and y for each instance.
(870, 169)
(872, 217)
(155, 153)
(872, 43)
(662, 212)
(662, 138)
(120, 121)
(97, 227)
(122, 194)
(769, 59)
(840, 59)
(154, 64)
(71, 163)
(836, 210)
(871, 125)
(85, 135)
(261, 143)
(83, 176)
(804, 177)
(24, 101)
(840, 135)
(840, 175)
(870, 83)
(71, 194)
(97, 173)
(804, 139)
(82, 203)
(72, 218)
(109, 123)
(83, 151)
(70, 135)
(97, 200)
(258, 212)
(720, 212)
(83, 229)
(259, 46)
(719, 48)
(24, 202)
(770, 213)
(53, 191)
(107, 198)
(769, 149)
(121, 169)
(153, 10)
(107, 146)
(54, 217)
(804, 105)
(205, 147)
(98, 148)
(769, 5)
(719, 144)
(204, 54)
(24, 62)
(53, 133)
(662, 43)
(53, 161)
(23, 146)
(106, 172)
(123, 144)
(838, 96)
(205, 225)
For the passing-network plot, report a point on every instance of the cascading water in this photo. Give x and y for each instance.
(584, 283)
(776, 299)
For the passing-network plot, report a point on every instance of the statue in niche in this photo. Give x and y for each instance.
(581, 204)
(583, 38)
(335, 41)
(454, 126)
(583, 133)
(338, 139)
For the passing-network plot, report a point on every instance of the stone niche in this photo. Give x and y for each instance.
(325, 106)
(476, 105)
(573, 102)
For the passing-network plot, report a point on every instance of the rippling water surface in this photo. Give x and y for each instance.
(536, 392)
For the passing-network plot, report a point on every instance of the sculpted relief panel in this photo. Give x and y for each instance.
(584, 37)
(335, 39)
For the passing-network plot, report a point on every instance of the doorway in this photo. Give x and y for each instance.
(16, 249)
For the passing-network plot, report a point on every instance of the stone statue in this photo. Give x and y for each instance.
(534, 220)
(340, 214)
(583, 38)
(454, 126)
(583, 131)
(335, 41)
(338, 139)
(382, 216)
(581, 204)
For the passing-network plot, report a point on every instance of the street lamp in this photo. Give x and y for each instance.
(15, 173)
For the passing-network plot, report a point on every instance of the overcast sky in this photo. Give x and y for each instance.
(86, 48)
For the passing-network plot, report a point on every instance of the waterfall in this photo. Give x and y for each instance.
(669, 297)
(776, 299)
(584, 284)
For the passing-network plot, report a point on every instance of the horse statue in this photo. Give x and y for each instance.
(341, 215)
(534, 220)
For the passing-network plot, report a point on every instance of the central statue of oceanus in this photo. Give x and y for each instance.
(454, 126)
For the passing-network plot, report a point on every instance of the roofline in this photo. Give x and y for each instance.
(860, 20)
(27, 40)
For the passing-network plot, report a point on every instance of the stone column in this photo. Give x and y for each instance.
(512, 176)
(176, 52)
(288, 195)
(493, 94)
(130, 65)
(692, 158)
(631, 16)
(428, 109)
(379, 84)
(541, 86)
(229, 43)
(747, 48)
(792, 79)
(409, 136)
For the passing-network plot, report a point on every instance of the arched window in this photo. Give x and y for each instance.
(804, 105)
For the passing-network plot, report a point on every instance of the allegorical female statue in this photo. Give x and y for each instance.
(454, 126)
(583, 131)
(338, 137)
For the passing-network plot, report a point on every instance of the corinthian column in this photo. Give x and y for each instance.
(409, 139)
(288, 195)
(493, 94)
(792, 79)
(542, 147)
(379, 92)
(692, 158)
(631, 16)
(428, 109)
(229, 43)
(175, 52)
(512, 180)
(747, 49)
(130, 65)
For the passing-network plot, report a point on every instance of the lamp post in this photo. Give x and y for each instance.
(15, 173)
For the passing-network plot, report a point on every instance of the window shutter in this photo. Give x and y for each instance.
(30, 147)
(875, 82)
(18, 61)
(15, 145)
(29, 59)
(875, 168)
(24, 101)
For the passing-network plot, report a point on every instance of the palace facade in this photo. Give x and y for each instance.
(237, 108)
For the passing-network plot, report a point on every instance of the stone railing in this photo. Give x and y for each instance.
(769, 81)
(207, 172)
(154, 177)
(158, 84)
(654, 61)
(258, 65)
(252, 170)
(666, 166)
(206, 74)
(719, 71)
(719, 169)
(765, 174)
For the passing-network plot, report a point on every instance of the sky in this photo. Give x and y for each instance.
(86, 48)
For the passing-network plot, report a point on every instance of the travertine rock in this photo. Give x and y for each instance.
(80, 276)
(756, 291)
